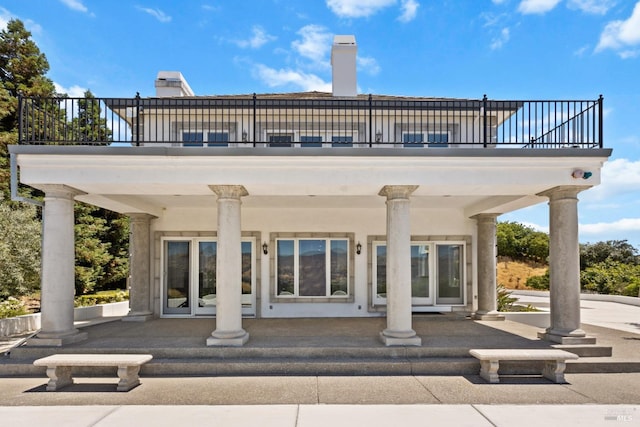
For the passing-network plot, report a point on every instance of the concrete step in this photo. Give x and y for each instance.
(586, 350)
(224, 353)
(323, 366)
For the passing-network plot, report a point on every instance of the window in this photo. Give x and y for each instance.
(442, 276)
(433, 139)
(312, 267)
(280, 139)
(438, 139)
(196, 139)
(310, 141)
(413, 139)
(342, 141)
(192, 139)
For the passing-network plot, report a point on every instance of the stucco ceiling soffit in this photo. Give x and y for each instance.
(123, 204)
(502, 204)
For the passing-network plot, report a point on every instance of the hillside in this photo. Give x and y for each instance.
(514, 274)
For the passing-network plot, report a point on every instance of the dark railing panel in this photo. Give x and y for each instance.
(315, 122)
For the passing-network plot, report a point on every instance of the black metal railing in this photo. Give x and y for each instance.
(311, 120)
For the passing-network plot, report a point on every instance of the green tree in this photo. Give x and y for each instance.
(611, 250)
(520, 242)
(101, 244)
(19, 250)
(89, 125)
(23, 70)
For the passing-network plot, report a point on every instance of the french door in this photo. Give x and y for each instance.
(189, 280)
(437, 273)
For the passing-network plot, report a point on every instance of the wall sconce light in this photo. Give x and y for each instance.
(579, 173)
(265, 248)
(378, 136)
(244, 136)
(358, 248)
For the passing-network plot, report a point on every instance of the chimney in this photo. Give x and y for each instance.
(172, 83)
(343, 62)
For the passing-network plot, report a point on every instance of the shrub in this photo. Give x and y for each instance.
(505, 300)
(539, 282)
(101, 298)
(12, 307)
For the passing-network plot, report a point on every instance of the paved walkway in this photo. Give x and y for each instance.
(586, 400)
(612, 315)
(323, 415)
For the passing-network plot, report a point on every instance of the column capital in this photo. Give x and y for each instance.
(397, 191)
(60, 191)
(229, 191)
(564, 192)
(486, 217)
(140, 217)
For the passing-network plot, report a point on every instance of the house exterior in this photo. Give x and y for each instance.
(311, 204)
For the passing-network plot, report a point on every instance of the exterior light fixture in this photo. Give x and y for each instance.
(378, 136)
(358, 248)
(265, 248)
(579, 173)
(244, 136)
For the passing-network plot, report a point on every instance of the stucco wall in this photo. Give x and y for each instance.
(362, 222)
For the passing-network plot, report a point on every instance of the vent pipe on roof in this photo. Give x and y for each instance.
(172, 83)
(343, 63)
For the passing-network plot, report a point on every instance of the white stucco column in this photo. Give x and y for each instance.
(229, 330)
(399, 320)
(564, 267)
(139, 268)
(486, 263)
(58, 269)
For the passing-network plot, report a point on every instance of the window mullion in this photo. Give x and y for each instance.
(296, 267)
(327, 267)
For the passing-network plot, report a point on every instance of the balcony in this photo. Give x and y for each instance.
(312, 120)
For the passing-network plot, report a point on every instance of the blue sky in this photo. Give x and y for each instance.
(507, 49)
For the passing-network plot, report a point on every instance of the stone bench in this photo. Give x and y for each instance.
(59, 367)
(554, 361)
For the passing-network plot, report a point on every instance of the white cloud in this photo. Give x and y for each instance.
(499, 1)
(537, 6)
(288, 77)
(368, 64)
(409, 10)
(259, 39)
(596, 7)
(620, 225)
(75, 5)
(156, 13)
(500, 40)
(74, 91)
(314, 45)
(619, 35)
(358, 8)
(618, 177)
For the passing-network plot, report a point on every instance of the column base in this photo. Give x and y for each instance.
(225, 339)
(52, 341)
(576, 337)
(389, 339)
(141, 316)
(490, 315)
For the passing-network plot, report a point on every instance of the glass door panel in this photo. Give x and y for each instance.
(450, 274)
(420, 283)
(177, 295)
(421, 279)
(207, 254)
